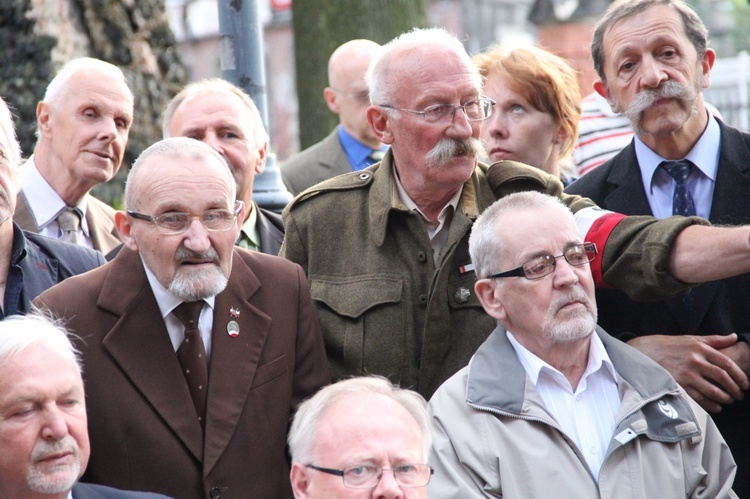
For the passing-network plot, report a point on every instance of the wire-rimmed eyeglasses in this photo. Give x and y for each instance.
(367, 476)
(170, 223)
(475, 110)
(542, 265)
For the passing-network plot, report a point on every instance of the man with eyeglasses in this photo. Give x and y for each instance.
(551, 405)
(197, 351)
(361, 438)
(352, 145)
(386, 249)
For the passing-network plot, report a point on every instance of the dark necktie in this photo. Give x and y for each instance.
(69, 219)
(682, 200)
(192, 356)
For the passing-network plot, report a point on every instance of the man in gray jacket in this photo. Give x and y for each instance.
(550, 405)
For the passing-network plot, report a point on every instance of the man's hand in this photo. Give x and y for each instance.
(705, 366)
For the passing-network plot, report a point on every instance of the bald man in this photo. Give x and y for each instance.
(352, 145)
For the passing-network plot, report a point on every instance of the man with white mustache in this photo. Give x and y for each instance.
(44, 444)
(197, 351)
(551, 405)
(385, 249)
(653, 64)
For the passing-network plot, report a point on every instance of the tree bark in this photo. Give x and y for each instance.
(322, 25)
(38, 36)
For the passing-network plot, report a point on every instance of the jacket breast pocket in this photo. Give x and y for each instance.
(362, 320)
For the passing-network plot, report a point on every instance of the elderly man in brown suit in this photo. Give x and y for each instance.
(196, 351)
(83, 124)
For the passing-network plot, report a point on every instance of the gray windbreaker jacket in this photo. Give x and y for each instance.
(493, 436)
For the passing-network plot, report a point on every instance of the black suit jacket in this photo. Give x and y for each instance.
(91, 491)
(270, 230)
(49, 261)
(719, 307)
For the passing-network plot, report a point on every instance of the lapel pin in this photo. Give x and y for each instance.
(233, 329)
(234, 312)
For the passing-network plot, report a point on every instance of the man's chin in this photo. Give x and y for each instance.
(193, 284)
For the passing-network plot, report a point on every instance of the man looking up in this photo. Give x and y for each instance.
(352, 145)
(551, 405)
(221, 115)
(197, 352)
(83, 124)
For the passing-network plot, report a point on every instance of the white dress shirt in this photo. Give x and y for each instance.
(46, 204)
(168, 302)
(659, 185)
(587, 415)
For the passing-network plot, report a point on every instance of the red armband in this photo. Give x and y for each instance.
(595, 225)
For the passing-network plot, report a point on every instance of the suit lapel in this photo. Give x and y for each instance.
(139, 344)
(39, 274)
(23, 216)
(628, 194)
(234, 360)
(101, 227)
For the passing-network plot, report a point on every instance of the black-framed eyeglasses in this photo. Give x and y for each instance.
(170, 223)
(475, 110)
(543, 265)
(367, 476)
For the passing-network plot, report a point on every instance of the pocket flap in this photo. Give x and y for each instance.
(353, 296)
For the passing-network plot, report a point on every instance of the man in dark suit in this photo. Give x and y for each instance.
(352, 145)
(210, 421)
(29, 263)
(682, 161)
(45, 446)
(221, 115)
(83, 124)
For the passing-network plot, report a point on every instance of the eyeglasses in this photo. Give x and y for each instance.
(543, 265)
(367, 476)
(177, 223)
(475, 110)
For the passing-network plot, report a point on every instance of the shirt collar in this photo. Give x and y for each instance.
(46, 202)
(250, 230)
(411, 205)
(356, 151)
(704, 155)
(534, 365)
(166, 300)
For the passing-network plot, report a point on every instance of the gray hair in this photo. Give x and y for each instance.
(58, 86)
(215, 85)
(383, 82)
(307, 420)
(176, 147)
(487, 250)
(19, 333)
(8, 132)
(694, 28)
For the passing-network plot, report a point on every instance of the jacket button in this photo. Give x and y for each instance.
(421, 257)
(215, 493)
(422, 299)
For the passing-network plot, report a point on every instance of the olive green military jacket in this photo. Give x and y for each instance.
(385, 308)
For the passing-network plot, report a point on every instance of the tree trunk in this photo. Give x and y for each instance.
(322, 25)
(38, 36)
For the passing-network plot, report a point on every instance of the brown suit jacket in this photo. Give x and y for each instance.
(142, 424)
(99, 216)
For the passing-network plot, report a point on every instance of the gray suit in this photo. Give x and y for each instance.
(315, 164)
(90, 491)
(99, 216)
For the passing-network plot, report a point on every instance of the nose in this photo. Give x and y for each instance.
(651, 73)
(108, 129)
(196, 237)
(495, 126)
(54, 425)
(387, 487)
(212, 140)
(565, 274)
(461, 127)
